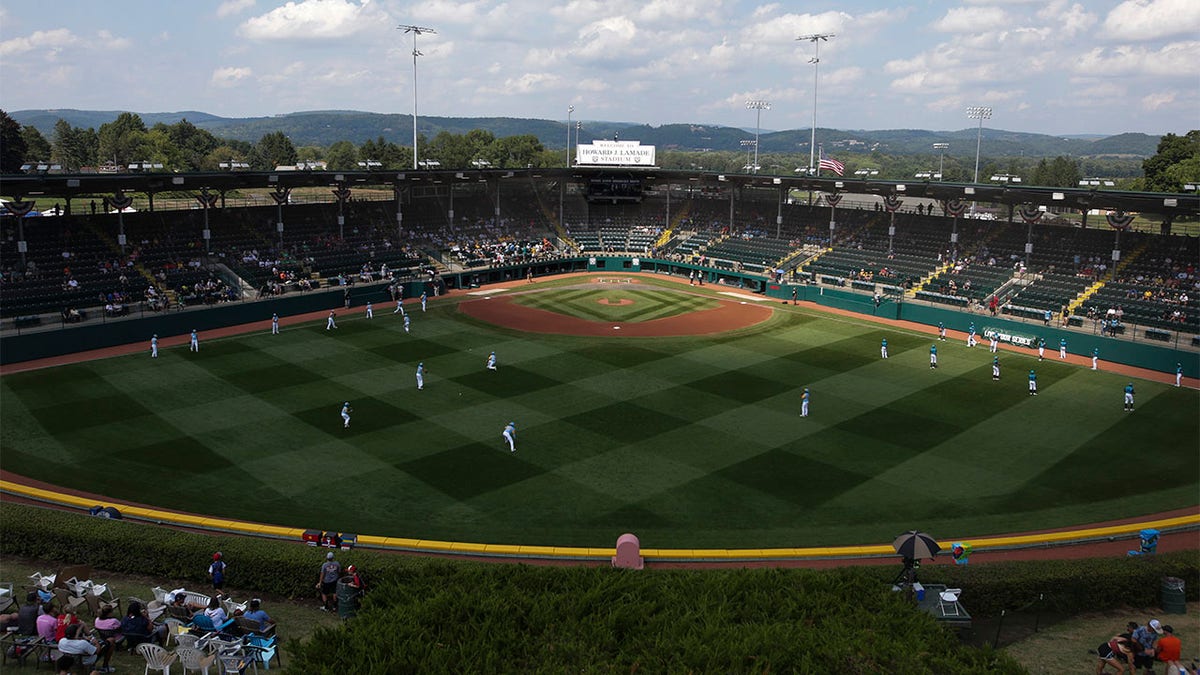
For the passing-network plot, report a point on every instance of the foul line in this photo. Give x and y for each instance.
(1067, 537)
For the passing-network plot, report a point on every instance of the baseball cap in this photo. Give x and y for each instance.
(351, 569)
(329, 556)
(217, 555)
(1156, 626)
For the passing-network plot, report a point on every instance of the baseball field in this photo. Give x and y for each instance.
(688, 440)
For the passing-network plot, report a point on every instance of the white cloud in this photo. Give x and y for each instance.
(40, 41)
(107, 41)
(1172, 60)
(1066, 20)
(842, 76)
(1151, 19)
(972, 20)
(228, 77)
(1156, 100)
(313, 20)
(231, 7)
(607, 39)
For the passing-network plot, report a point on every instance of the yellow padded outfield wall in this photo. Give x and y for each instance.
(1128, 530)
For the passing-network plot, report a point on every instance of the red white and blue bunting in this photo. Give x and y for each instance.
(118, 202)
(281, 194)
(1119, 220)
(892, 203)
(19, 208)
(954, 207)
(1030, 213)
(207, 199)
(342, 193)
(832, 199)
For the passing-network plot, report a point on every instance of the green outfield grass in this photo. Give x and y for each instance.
(689, 442)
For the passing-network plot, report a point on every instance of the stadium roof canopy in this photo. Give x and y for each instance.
(68, 186)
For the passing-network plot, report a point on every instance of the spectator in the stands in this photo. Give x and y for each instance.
(108, 627)
(215, 612)
(47, 621)
(87, 649)
(137, 627)
(255, 613)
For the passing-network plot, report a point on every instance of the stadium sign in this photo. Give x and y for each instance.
(1011, 338)
(614, 153)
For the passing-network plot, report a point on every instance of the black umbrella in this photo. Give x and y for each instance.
(916, 545)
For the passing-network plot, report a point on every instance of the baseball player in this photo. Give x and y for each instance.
(346, 410)
(424, 297)
(883, 348)
(370, 311)
(941, 331)
(804, 403)
(510, 435)
(154, 346)
(1095, 357)
(195, 345)
(399, 306)
(995, 339)
(491, 362)
(274, 324)
(1129, 397)
(932, 356)
(1032, 383)
(1178, 374)
(407, 321)
(420, 376)
(971, 341)
(330, 323)
(1041, 348)
(995, 368)
(1062, 349)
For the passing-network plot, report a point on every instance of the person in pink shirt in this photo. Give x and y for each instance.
(47, 622)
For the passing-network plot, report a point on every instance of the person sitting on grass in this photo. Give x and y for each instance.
(1117, 652)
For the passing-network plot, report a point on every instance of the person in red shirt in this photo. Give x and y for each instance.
(1169, 649)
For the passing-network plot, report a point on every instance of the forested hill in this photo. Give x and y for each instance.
(325, 127)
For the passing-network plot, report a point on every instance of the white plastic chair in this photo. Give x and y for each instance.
(948, 601)
(157, 658)
(191, 658)
(231, 607)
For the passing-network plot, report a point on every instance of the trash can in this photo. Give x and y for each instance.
(347, 598)
(1173, 601)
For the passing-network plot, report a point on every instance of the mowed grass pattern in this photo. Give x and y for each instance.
(689, 442)
(621, 303)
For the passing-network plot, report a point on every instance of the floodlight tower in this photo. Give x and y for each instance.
(942, 147)
(980, 113)
(415, 30)
(758, 106)
(816, 39)
(570, 109)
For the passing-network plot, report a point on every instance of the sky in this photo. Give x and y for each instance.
(1046, 66)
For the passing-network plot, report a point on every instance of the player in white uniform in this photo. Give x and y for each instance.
(1041, 348)
(370, 311)
(406, 322)
(941, 331)
(154, 346)
(1095, 357)
(424, 297)
(346, 410)
(1032, 383)
(971, 341)
(933, 356)
(883, 348)
(995, 368)
(1178, 374)
(274, 324)
(491, 362)
(995, 338)
(330, 323)
(1129, 397)
(510, 435)
(420, 376)
(804, 403)
(195, 345)
(399, 306)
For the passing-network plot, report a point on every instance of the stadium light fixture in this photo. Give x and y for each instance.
(747, 144)
(570, 109)
(370, 164)
(980, 113)
(1005, 178)
(941, 147)
(816, 39)
(866, 171)
(415, 30)
(233, 165)
(758, 106)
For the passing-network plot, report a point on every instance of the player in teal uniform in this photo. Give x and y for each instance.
(1178, 374)
(995, 338)
(407, 321)
(804, 403)
(1041, 344)
(154, 346)
(971, 342)
(424, 297)
(274, 324)
(933, 356)
(510, 435)
(995, 368)
(195, 345)
(346, 410)
(370, 310)
(883, 348)
(491, 361)
(1062, 349)
(1095, 357)
(941, 331)
(1129, 397)
(420, 376)
(1032, 383)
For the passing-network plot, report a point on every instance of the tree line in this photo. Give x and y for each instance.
(183, 147)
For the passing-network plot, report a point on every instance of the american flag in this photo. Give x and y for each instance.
(830, 164)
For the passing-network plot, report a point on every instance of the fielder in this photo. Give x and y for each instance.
(330, 323)
(995, 368)
(399, 306)
(346, 410)
(407, 321)
(804, 403)
(510, 435)
(1129, 397)
(1062, 349)
(154, 346)
(883, 348)
(491, 362)
(941, 331)
(971, 341)
(933, 356)
(1095, 357)
(1041, 348)
(195, 346)
(424, 297)
(370, 311)
(1032, 383)
(1178, 374)
(274, 324)
(995, 338)
(420, 376)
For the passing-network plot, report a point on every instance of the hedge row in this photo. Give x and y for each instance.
(289, 569)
